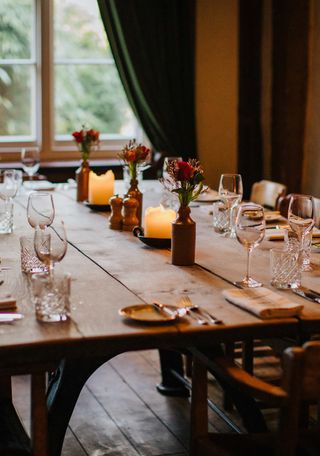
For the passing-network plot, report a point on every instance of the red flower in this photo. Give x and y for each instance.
(78, 136)
(184, 171)
(93, 135)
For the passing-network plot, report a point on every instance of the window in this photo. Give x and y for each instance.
(56, 74)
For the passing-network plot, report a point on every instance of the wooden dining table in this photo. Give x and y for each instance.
(111, 270)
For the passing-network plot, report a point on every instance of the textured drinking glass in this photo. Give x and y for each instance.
(285, 268)
(220, 217)
(291, 242)
(30, 263)
(51, 297)
(6, 216)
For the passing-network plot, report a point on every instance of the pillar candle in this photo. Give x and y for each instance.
(101, 187)
(158, 221)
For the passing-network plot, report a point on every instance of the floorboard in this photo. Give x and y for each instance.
(120, 412)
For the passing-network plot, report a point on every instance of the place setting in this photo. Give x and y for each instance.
(158, 313)
(286, 264)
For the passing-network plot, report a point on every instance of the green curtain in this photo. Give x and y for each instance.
(153, 44)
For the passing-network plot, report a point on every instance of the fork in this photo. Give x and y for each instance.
(194, 311)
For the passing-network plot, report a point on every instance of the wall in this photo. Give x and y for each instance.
(216, 86)
(311, 169)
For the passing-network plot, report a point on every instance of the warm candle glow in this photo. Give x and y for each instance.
(158, 221)
(101, 188)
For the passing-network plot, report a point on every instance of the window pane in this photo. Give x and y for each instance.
(79, 31)
(16, 89)
(16, 25)
(91, 94)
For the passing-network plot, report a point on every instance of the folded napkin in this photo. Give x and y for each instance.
(7, 302)
(278, 234)
(262, 302)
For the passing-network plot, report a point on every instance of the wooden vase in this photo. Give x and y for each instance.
(183, 243)
(135, 193)
(82, 179)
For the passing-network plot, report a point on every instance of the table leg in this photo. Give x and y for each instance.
(63, 392)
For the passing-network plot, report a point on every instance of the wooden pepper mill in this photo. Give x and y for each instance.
(116, 219)
(129, 212)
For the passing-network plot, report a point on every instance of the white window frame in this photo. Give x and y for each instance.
(51, 149)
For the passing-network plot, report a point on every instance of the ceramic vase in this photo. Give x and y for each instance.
(183, 243)
(82, 179)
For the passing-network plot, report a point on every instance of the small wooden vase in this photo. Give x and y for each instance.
(135, 193)
(183, 243)
(82, 179)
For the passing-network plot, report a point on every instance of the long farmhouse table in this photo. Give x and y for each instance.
(113, 269)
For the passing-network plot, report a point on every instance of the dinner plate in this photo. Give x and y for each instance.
(273, 216)
(147, 313)
(208, 196)
(97, 207)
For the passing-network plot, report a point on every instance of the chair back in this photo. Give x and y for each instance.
(284, 206)
(301, 381)
(267, 193)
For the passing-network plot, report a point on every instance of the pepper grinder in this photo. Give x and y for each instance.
(129, 211)
(116, 219)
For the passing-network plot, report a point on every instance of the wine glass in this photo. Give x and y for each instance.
(40, 209)
(231, 191)
(301, 218)
(30, 159)
(50, 244)
(250, 230)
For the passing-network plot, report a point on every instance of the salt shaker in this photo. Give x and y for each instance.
(129, 211)
(116, 219)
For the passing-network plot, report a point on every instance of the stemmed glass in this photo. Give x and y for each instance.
(250, 230)
(50, 244)
(231, 191)
(301, 218)
(30, 159)
(40, 209)
(168, 199)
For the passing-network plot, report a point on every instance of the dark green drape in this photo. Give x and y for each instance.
(153, 43)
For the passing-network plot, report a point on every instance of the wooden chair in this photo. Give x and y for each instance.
(267, 193)
(300, 385)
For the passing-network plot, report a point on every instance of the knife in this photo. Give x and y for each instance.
(10, 316)
(161, 308)
(306, 293)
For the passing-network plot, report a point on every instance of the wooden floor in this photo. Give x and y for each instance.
(120, 412)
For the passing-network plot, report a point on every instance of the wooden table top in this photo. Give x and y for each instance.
(113, 269)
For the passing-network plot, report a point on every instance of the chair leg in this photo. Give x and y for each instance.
(199, 408)
(227, 401)
(39, 419)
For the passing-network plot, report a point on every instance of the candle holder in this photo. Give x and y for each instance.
(97, 207)
(157, 243)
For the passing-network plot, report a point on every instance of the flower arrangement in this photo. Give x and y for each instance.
(86, 140)
(184, 179)
(132, 155)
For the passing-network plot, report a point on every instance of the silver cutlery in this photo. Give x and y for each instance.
(167, 311)
(307, 293)
(8, 317)
(202, 316)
